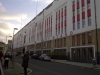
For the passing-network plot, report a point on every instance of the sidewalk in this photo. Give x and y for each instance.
(86, 65)
(16, 71)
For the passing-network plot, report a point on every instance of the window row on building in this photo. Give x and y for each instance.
(86, 53)
(48, 27)
(61, 21)
(60, 42)
(81, 13)
(82, 39)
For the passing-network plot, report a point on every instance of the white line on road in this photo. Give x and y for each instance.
(45, 69)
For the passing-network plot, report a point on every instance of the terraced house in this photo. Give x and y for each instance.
(68, 29)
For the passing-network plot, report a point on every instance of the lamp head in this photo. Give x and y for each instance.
(15, 28)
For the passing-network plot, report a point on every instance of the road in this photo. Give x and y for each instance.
(52, 68)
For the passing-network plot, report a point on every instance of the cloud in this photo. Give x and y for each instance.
(2, 9)
(6, 28)
(49, 1)
(4, 15)
(10, 16)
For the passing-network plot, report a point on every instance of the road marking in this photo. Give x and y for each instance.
(45, 69)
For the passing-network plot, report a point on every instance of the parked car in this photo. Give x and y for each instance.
(35, 56)
(45, 57)
(31, 53)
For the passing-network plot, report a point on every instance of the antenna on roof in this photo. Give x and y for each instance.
(36, 7)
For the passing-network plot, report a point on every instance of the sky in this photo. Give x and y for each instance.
(17, 13)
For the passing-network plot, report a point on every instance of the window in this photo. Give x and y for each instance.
(73, 2)
(78, 11)
(78, 39)
(58, 43)
(56, 15)
(56, 31)
(77, 0)
(65, 17)
(73, 13)
(65, 11)
(78, 53)
(59, 31)
(89, 21)
(83, 38)
(90, 53)
(89, 37)
(78, 25)
(47, 21)
(51, 19)
(73, 53)
(61, 43)
(83, 8)
(88, 6)
(73, 26)
(84, 53)
(59, 14)
(73, 40)
(62, 19)
(49, 44)
(55, 43)
(65, 28)
(51, 25)
(73, 7)
(78, 5)
(51, 31)
(62, 30)
(83, 23)
(64, 41)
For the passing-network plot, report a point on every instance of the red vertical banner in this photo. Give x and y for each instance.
(49, 20)
(24, 38)
(29, 35)
(56, 15)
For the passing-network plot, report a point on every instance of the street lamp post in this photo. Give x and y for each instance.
(12, 48)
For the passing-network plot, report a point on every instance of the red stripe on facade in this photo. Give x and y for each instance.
(78, 17)
(88, 1)
(83, 15)
(89, 12)
(73, 19)
(77, 5)
(82, 2)
(73, 7)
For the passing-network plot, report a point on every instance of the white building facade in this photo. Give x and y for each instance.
(67, 27)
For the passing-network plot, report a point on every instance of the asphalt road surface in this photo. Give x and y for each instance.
(52, 68)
